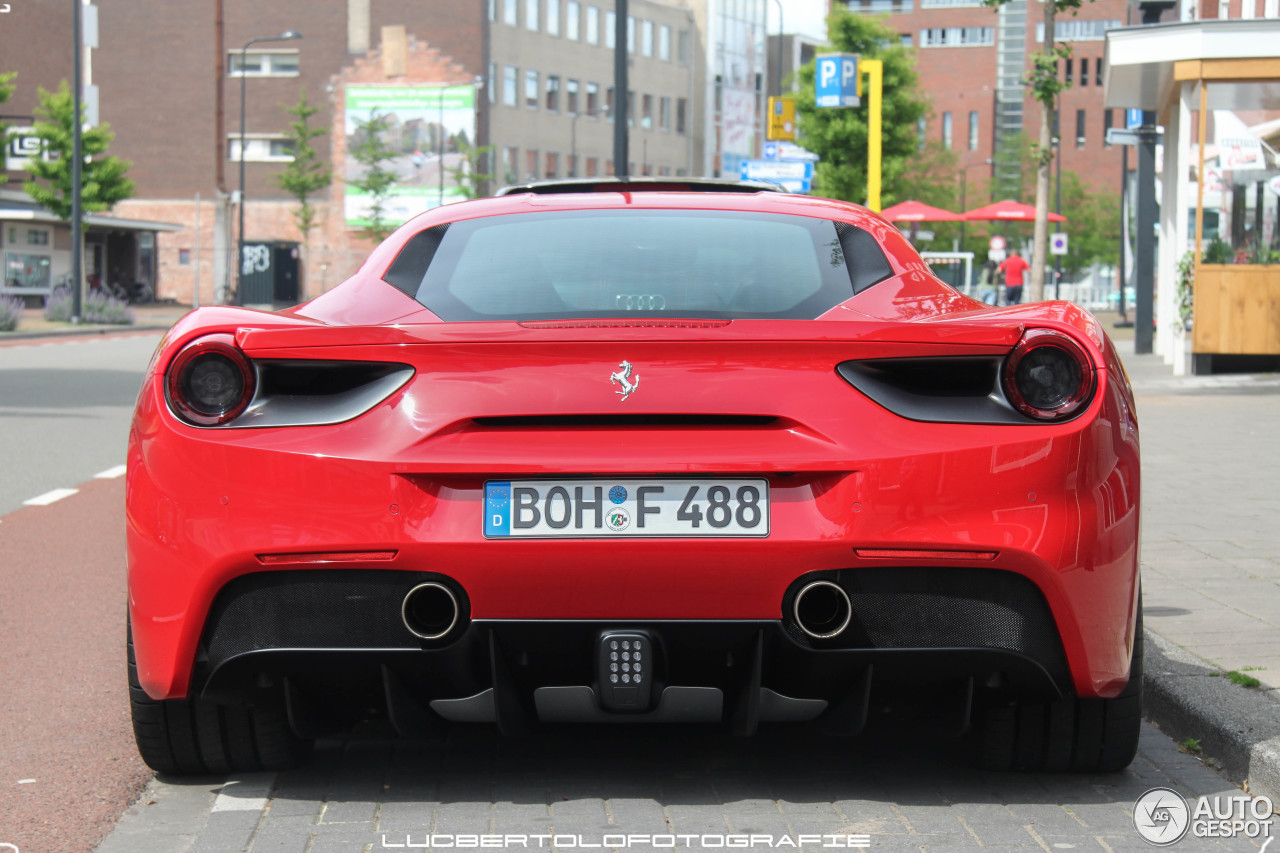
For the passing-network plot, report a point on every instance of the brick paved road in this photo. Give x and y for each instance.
(368, 793)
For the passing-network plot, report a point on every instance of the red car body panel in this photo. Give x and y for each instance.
(1056, 503)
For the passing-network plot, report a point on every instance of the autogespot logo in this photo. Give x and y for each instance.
(1161, 816)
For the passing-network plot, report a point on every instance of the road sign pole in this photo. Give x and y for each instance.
(875, 73)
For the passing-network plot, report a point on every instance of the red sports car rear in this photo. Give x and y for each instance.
(635, 456)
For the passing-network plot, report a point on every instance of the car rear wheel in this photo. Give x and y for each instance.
(1084, 735)
(192, 736)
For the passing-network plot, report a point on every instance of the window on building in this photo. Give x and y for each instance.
(941, 4)
(571, 97)
(493, 10)
(973, 130)
(608, 167)
(262, 63)
(646, 38)
(531, 89)
(553, 93)
(531, 15)
(664, 113)
(1074, 29)
(610, 30)
(664, 43)
(646, 113)
(921, 127)
(1067, 77)
(946, 130)
(260, 148)
(553, 17)
(23, 270)
(572, 20)
(631, 33)
(593, 164)
(593, 25)
(530, 164)
(682, 47)
(631, 108)
(682, 115)
(1084, 71)
(593, 100)
(509, 12)
(510, 169)
(492, 83)
(610, 107)
(957, 36)
(38, 236)
(184, 257)
(1080, 128)
(1106, 126)
(906, 39)
(510, 94)
(553, 166)
(1097, 70)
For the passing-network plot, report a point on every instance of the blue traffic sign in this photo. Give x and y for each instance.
(771, 151)
(836, 80)
(1133, 119)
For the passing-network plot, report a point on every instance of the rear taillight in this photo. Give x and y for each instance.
(210, 382)
(1048, 376)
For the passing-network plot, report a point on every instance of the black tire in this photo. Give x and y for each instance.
(192, 736)
(1082, 735)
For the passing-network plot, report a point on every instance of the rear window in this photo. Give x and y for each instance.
(653, 263)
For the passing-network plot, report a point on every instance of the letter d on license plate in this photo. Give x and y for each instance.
(581, 508)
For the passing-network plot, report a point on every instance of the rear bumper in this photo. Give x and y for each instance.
(1056, 505)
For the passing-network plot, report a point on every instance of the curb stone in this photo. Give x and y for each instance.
(1238, 726)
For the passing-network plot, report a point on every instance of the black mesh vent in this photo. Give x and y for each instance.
(407, 270)
(862, 257)
(326, 609)
(942, 608)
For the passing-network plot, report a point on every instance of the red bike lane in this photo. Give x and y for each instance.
(68, 765)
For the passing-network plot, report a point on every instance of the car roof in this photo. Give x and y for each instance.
(633, 185)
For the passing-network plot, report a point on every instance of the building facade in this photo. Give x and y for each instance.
(972, 60)
(541, 72)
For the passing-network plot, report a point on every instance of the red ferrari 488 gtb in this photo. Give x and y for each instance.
(628, 452)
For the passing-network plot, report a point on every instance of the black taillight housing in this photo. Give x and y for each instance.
(209, 382)
(1048, 376)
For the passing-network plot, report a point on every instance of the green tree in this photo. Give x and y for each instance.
(6, 92)
(466, 175)
(1045, 86)
(103, 181)
(305, 175)
(839, 136)
(371, 151)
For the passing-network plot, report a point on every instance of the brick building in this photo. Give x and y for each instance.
(541, 73)
(972, 59)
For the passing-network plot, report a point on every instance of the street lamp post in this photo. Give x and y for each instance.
(781, 31)
(287, 35)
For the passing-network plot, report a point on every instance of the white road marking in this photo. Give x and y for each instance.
(110, 473)
(50, 497)
(26, 781)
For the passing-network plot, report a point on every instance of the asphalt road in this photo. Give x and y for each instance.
(64, 410)
(68, 768)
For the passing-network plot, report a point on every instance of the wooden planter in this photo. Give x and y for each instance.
(1237, 310)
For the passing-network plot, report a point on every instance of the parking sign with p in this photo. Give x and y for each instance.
(836, 80)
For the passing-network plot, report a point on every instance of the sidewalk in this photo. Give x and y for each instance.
(149, 316)
(1211, 561)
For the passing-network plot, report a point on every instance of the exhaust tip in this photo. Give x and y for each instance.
(430, 611)
(822, 609)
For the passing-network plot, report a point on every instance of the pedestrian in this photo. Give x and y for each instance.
(1013, 267)
(989, 282)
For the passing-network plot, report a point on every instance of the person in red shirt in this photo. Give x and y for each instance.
(1014, 268)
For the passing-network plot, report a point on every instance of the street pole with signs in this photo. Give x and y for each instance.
(838, 84)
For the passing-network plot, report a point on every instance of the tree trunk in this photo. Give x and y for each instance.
(1040, 247)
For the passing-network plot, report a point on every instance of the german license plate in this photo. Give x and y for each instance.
(581, 508)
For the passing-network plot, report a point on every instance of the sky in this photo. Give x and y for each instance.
(800, 16)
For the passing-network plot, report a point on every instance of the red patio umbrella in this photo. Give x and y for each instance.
(1009, 211)
(915, 211)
